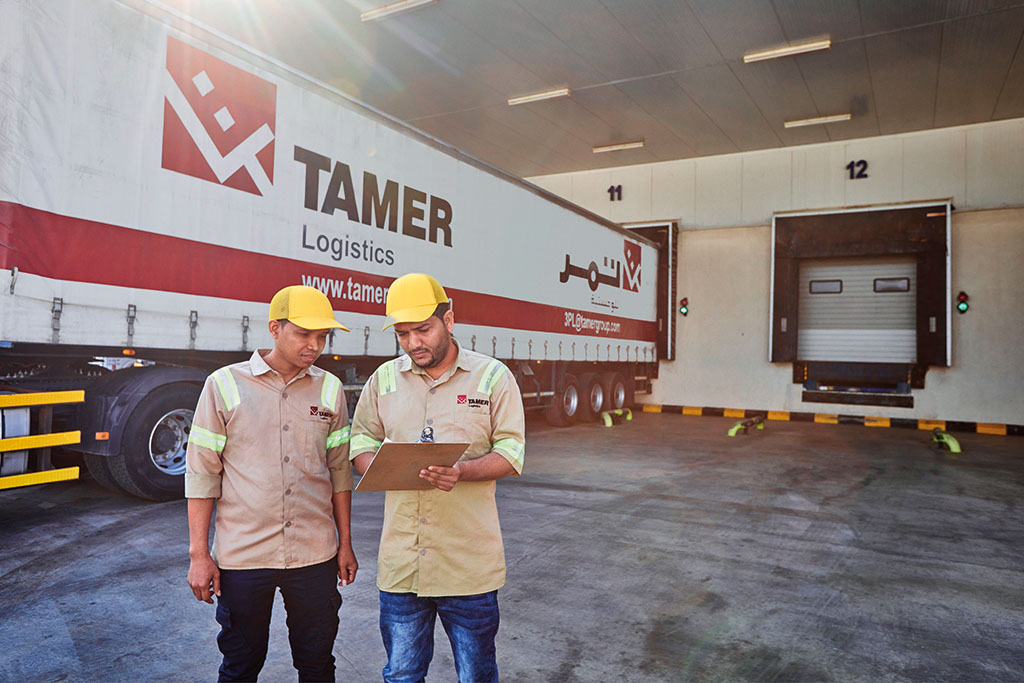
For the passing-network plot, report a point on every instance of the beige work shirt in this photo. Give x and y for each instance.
(437, 543)
(273, 455)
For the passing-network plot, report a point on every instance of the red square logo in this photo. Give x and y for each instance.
(313, 410)
(460, 400)
(631, 279)
(218, 120)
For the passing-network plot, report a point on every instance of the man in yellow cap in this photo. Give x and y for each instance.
(441, 552)
(269, 443)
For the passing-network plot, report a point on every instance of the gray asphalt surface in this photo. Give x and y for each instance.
(657, 550)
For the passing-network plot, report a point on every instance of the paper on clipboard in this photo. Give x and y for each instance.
(396, 466)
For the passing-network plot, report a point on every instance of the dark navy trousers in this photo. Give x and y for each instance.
(311, 600)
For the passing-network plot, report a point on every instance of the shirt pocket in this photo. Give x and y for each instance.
(475, 428)
(314, 455)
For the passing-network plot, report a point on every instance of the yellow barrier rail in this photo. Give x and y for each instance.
(33, 478)
(41, 398)
(24, 443)
(41, 443)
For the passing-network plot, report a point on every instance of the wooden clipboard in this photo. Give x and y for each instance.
(396, 466)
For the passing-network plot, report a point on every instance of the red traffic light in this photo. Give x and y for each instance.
(684, 306)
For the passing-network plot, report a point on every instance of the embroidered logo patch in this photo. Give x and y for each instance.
(460, 400)
(314, 411)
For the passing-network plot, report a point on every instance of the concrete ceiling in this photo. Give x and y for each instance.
(669, 72)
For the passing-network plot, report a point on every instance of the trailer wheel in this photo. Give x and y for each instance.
(565, 404)
(99, 470)
(630, 382)
(151, 463)
(593, 397)
(614, 391)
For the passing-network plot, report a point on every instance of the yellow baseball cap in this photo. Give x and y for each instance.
(307, 307)
(413, 298)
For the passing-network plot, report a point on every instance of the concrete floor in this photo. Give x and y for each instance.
(658, 550)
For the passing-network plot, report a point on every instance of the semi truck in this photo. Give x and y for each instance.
(159, 181)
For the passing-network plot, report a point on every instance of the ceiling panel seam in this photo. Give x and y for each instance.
(692, 150)
(938, 75)
(757, 106)
(738, 81)
(626, 30)
(708, 116)
(1006, 76)
(911, 27)
(867, 65)
(800, 71)
(871, 84)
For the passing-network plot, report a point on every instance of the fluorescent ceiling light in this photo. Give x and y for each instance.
(787, 51)
(618, 146)
(393, 8)
(546, 95)
(835, 118)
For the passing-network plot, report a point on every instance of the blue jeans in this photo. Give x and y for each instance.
(311, 600)
(407, 626)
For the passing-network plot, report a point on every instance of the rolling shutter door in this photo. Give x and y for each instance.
(861, 310)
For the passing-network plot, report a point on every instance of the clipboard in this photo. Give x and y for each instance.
(396, 466)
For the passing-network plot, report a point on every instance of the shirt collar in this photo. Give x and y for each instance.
(258, 366)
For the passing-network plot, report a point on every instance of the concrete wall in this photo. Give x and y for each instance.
(724, 206)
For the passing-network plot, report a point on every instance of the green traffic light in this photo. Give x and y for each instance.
(684, 310)
(962, 306)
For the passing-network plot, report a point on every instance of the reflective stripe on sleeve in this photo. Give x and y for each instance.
(207, 439)
(227, 388)
(386, 380)
(511, 448)
(491, 375)
(335, 439)
(362, 441)
(329, 392)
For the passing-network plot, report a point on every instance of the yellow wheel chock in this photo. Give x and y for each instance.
(742, 426)
(609, 416)
(944, 439)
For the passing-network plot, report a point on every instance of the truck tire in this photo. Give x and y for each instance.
(630, 381)
(565, 404)
(99, 469)
(592, 397)
(615, 395)
(151, 462)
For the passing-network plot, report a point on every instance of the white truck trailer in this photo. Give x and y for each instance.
(159, 182)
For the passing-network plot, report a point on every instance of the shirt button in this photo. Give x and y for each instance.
(286, 458)
(285, 428)
(430, 422)
(284, 395)
(287, 523)
(287, 492)
(433, 391)
(423, 552)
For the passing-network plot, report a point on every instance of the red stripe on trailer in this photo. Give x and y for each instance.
(78, 250)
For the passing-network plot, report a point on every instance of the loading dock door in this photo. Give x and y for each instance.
(858, 310)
